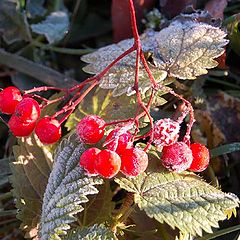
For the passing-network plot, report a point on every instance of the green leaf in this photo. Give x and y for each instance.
(67, 188)
(181, 200)
(224, 149)
(184, 236)
(101, 102)
(54, 27)
(30, 171)
(220, 233)
(232, 24)
(185, 49)
(96, 232)
(13, 23)
(99, 207)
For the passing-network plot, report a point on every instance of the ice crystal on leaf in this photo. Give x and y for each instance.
(181, 200)
(66, 190)
(185, 49)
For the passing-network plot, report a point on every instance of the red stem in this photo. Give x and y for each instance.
(186, 138)
(137, 44)
(42, 89)
(101, 74)
(72, 105)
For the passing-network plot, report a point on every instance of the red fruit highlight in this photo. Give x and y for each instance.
(20, 129)
(9, 98)
(165, 132)
(107, 163)
(87, 160)
(48, 130)
(27, 110)
(118, 141)
(134, 162)
(91, 129)
(177, 157)
(201, 157)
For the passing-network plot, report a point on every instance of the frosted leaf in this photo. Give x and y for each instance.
(121, 76)
(54, 27)
(96, 232)
(67, 188)
(188, 48)
(181, 200)
(185, 49)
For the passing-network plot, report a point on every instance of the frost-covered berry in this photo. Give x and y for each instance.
(9, 98)
(134, 162)
(91, 129)
(107, 163)
(27, 111)
(87, 160)
(201, 157)
(48, 130)
(165, 132)
(20, 129)
(177, 157)
(118, 140)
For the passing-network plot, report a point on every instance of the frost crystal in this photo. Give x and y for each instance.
(165, 132)
(185, 49)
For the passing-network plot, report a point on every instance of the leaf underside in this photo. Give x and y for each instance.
(30, 171)
(67, 188)
(185, 49)
(96, 232)
(181, 200)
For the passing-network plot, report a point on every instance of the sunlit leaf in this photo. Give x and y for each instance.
(30, 171)
(181, 200)
(185, 49)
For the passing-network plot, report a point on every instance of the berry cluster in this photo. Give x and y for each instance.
(119, 155)
(177, 155)
(25, 116)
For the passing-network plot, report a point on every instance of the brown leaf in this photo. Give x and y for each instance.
(220, 123)
(216, 8)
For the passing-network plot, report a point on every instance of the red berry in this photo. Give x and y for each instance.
(201, 157)
(88, 158)
(134, 162)
(20, 129)
(107, 163)
(48, 130)
(9, 98)
(118, 140)
(165, 132)
(27, 110)
(91, 129)
(177, 157)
